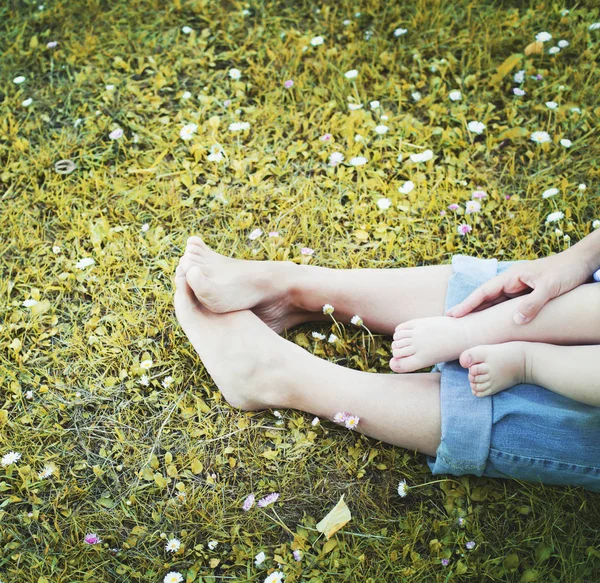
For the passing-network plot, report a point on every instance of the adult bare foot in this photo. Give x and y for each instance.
(242, 355)
(426, 341)
(223, 284)
(496, 367)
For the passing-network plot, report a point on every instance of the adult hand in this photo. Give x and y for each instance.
(541, 279)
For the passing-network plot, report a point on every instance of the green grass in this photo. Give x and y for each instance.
(123, 451)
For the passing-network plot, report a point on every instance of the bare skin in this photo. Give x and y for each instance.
(256, 369)
(284, 294)
(424, 342)
(570, 371)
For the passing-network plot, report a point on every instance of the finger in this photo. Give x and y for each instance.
(531, 304)
(489, 291)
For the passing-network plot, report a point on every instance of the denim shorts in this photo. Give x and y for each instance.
(525, 432)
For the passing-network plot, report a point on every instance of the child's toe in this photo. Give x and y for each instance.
(403, 352)
(472, 356)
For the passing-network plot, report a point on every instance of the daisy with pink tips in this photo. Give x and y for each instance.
(268, 500)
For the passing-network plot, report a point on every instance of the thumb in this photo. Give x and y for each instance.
(531, 304)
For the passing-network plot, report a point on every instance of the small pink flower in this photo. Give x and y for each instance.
(288, 84)
(442, 213)
(227, 102)
(248, 502)
(270, 499)
(116, 134)
(479, 194)
(507, 197)
(92, 539)
(297, 555)
(340, 417)
(470, 545)
(274, 234)
(445, 562)
(307, 251)
(453, 207)
(463, 229)
(326, 137)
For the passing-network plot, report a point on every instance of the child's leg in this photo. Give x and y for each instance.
(572, 318)
(571, 371)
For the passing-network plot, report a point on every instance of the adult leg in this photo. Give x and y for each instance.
(284, 294)
(256, 369)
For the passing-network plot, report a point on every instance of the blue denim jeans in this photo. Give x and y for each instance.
(525, 432)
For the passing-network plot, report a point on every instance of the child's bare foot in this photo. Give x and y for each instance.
(223, 284)
(496, 367)
(245, 358)
(426, 341)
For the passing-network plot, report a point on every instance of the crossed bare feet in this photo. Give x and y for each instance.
(223, 284)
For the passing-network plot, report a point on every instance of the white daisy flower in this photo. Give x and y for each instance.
(173, 577)
(566, 143)
(400, 31)
(476, 127)
(407, 187)
(275, 577)
(146, 364)
(317, 40)
(215, 156)
(473, 206)
(186, 95)
(144, 380)
(188, 131)
(358, 138)
(27, 102)
(212, 545)
(519, 76)
(594, 26)
(582, 186)
(543, 37)
(332, 340)
(318, 336)
(455, 95)
(259, 559)
(374, 104)
(554, 217)
(381, 129)
(416, 95)
(167, 382)
(355, 106)
(575, 110)
(12, 457)
(328, 309)
(46, 472)
(553, 50)
(29, 395)
(384, 203)
(356, 320)
(596, 224)
(518, 91)
(347, 22)
(352, 74)
(336, 158)
(235, 74)
(358, 161)
(173, 545)
(384, 118)
(402, 489)
(315, 422)
(29, 303)
(563, 43)
(422, 157)
(239, 126)
(551, 104)
(540, 137)
(187, 29)
(56, 249)
(550, 192)
(18, 80)
(85, 262)
(255, 234)
(145, 227)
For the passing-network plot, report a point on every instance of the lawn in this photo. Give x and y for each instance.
(359, 133)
